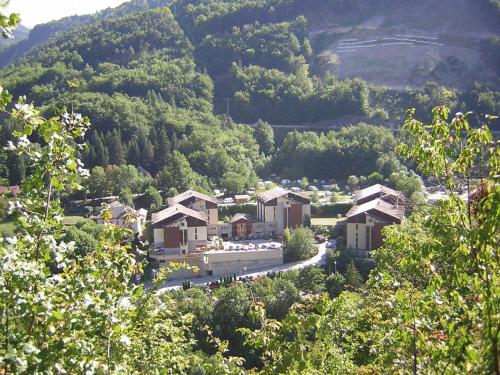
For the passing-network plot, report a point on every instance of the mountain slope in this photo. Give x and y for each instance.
(446, 41)
(44, 32)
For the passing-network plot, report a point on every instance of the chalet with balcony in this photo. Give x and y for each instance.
(379, 191)
(179, 230)
(198, 202)
(366, 221)
(280, 209)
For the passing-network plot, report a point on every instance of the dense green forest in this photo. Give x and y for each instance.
(153, 79)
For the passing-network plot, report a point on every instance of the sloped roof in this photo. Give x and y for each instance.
(376, 189)
(174, 210)
(379, 205)
(119, 210)
(237, 217)
(278, 192)
(273, 193)
(189, 194)
(10, 189)
(242, 196)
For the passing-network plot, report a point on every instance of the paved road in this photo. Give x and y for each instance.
(318, 259)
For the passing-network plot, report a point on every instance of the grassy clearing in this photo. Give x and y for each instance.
(72, 220)
(342, 197)
(7, 228)
(328, 221)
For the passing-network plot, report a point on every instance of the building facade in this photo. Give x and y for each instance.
(198, 202)
(124, 216)
(180, 230)
(188, 231)
(366, 220)
(378, 191)
(280, 209)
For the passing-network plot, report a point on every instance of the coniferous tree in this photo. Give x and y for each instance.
(175, 142)
(146, 150)
(162, 149)
(17, 169)
(153, 136)
(148, 155)
(4, 170)
(89, 156)
(116, 149)
(353, 278)
(101, 152)
(134, 155)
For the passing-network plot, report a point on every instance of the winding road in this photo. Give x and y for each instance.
(318, 259)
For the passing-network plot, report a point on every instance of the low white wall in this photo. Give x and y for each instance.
(228, 262)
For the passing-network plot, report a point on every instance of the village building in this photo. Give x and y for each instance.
(241, 225)
(124, 216)
(180, 230)
(14, 190)
(378, 191)
(199, 202)
(241, 199)
(279, 208)
(368, 217)
(188, 231)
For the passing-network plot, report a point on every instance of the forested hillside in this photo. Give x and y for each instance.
(155, 74)
(152, 79)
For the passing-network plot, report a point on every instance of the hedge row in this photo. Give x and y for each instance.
(330, 210)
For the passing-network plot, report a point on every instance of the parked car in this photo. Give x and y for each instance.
(138, 278)
(228, 200)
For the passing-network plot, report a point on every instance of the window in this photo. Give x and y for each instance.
(184, 237)
(196, 234)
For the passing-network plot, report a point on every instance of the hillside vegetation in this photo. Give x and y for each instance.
(155, 76)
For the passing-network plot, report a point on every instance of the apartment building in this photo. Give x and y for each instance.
(198, 202)
(280, 209)
(366, 220)
(179, 230)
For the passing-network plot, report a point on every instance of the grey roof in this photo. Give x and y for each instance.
(119, 210)
(377, 189)
(188, 194)
(174, 210)
(277, 192)
(379, 205)
(237, 217)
